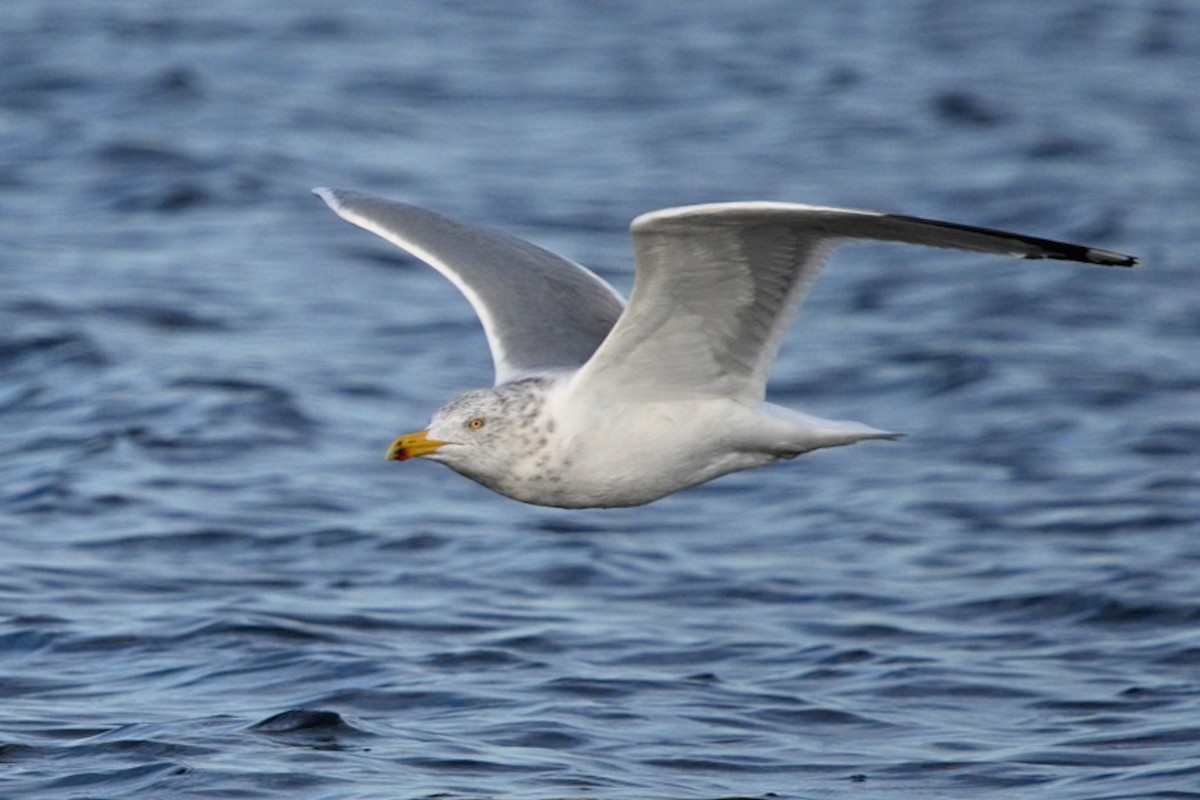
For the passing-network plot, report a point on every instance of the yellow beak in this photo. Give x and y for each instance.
(412, 445)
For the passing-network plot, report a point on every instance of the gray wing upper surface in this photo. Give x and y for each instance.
(540, 311)
(717, 286)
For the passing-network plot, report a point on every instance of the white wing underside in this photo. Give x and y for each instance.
(541, 312)
(717, 286)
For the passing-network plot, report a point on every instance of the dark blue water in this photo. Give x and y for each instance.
(212, 585)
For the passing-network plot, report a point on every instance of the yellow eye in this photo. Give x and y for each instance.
(476, 423)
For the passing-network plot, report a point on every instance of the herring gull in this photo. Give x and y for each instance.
(601, 404)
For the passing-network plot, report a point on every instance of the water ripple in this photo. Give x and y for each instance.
(213, 585)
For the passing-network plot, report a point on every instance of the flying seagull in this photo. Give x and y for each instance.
(599, 403)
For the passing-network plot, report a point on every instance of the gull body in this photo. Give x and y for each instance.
(596, 404)
(557, 446)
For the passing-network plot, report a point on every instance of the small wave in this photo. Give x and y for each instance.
(308, 723)
(68, 348)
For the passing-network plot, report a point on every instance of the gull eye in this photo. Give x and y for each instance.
(475, 423)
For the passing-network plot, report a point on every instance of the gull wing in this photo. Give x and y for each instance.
(717, 286)
(540, 311)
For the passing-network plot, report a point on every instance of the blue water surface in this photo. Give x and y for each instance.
(213, 585)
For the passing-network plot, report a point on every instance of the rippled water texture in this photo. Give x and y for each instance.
(212, 585)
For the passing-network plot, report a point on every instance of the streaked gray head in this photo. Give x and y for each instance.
(487, 431)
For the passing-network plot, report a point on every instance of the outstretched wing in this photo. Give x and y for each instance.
(540, 311)
(717, 286)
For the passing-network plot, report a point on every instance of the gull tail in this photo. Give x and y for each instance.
(805, 432)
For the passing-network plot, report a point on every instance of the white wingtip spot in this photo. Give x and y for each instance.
(1110, 259)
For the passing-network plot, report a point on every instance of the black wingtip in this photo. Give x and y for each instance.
(1033, 247)
(1079, 253)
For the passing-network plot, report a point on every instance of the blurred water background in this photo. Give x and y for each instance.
(212, 585)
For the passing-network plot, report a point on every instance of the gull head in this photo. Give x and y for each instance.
(487, 435)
